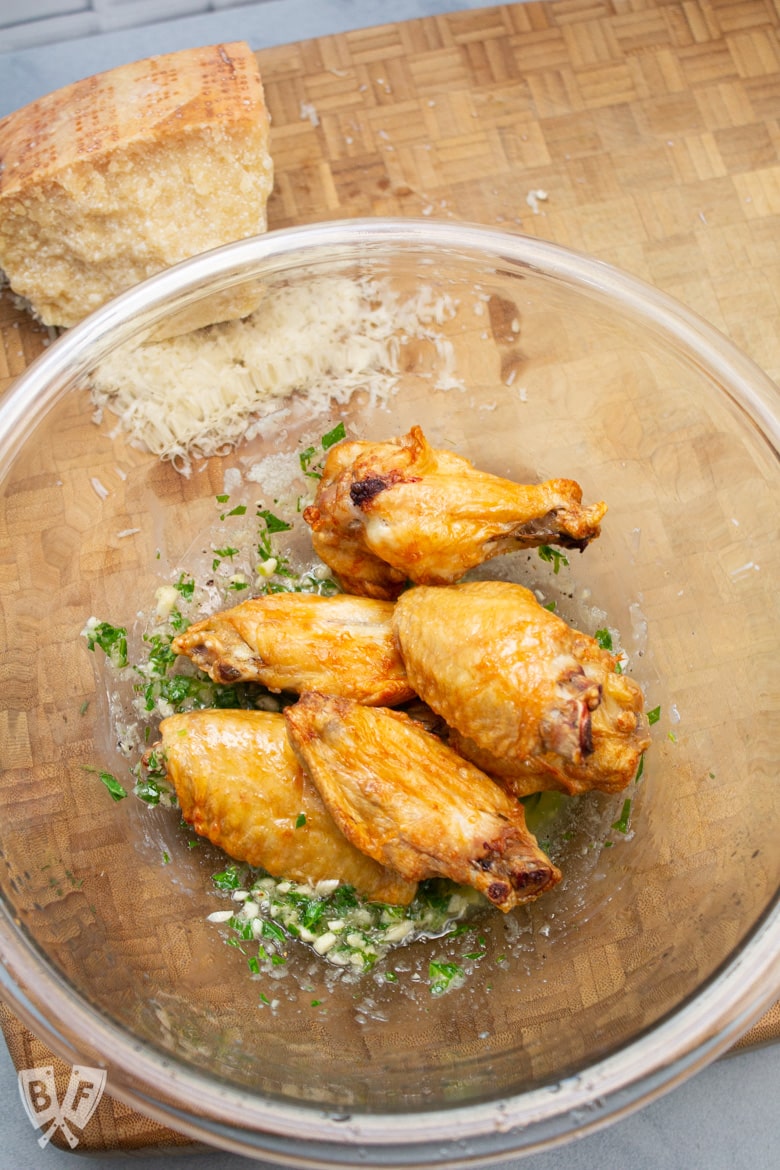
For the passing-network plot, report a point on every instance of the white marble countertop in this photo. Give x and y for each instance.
(725, 1118)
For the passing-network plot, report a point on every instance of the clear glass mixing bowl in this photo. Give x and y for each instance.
(657, 950)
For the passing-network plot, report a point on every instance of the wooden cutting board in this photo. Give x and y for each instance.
(645, 132)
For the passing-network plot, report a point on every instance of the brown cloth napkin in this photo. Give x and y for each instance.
(113, 1125)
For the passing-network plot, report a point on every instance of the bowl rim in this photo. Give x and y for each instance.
(54, 370)
(702, 1027)
(689, 1038)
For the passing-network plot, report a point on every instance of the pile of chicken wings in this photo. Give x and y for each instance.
(502, 698)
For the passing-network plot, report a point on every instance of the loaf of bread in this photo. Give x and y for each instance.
(109, 180)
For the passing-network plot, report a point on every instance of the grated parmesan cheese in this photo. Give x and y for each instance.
(197, 395)
(534, 198)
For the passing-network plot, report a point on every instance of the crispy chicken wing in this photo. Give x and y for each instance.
(386, 513)
(240, 785)
(295, 641)
(529, 699)
(402, 796)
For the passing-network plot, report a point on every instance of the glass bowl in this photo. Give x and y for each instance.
(662, 944)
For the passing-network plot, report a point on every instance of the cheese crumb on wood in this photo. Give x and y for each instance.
(107, 181)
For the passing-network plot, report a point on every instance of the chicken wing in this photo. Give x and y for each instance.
(297, 641)
(402, 796)
(240, 785)
(530, 700)
(388, 513)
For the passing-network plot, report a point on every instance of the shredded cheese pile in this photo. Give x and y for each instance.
(198, 395)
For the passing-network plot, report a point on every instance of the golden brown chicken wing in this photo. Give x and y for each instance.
(386, 513)
(402, 796)
(240, 785)
(297, 641)
(529, 699)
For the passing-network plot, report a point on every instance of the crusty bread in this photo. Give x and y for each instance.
(111, 179)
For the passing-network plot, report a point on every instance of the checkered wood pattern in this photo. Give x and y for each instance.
(652, 128)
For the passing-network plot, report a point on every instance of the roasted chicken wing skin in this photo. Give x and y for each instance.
(388, 513)
(529, 699)
(402, 796)
(295, 642)
(240, 785)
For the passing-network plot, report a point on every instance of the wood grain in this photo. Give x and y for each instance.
(652, 127)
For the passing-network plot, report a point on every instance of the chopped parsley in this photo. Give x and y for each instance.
(112, 640)
(153, 785)
(228, 879)
(338, 433)
(222, 554)
(150, 791)
(622, 824)
(306, 458)
(242, 929)
(239, 510)
(604, 639)
(270, 526)
(161, 656)
(178, 621)
(300, 820)
(474, 956)
(183, 692)
(343, 928)
(115, 789)
(186, 586)
(271, 930)
(554, 556)
(272, 522)
(444, 976)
